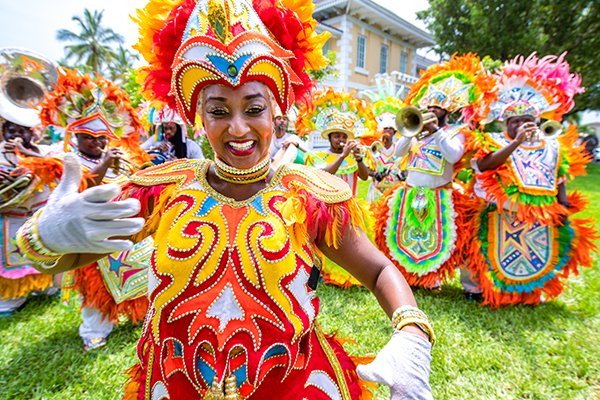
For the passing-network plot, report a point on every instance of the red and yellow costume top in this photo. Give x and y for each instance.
(232, 285)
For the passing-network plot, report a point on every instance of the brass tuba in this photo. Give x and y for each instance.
(25, 77)
(410, 122)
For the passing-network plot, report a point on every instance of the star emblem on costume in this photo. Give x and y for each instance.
(16, 250)
(219, 308)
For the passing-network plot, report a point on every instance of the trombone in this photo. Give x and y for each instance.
(410, 122)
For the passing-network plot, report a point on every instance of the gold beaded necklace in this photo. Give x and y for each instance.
(234, 175)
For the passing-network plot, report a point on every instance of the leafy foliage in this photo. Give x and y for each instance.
(92, 43)
(329, 70)
(504, 29)
(122, 65)
(132, 88)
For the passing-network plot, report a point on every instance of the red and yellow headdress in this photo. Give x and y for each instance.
(332, 111)
(92, 105)
(462, 83)
(190, 44)
(538, 87)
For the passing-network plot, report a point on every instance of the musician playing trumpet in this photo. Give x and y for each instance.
(98, 161)
(424, 232)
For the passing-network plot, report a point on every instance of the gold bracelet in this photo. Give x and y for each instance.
(407, 315)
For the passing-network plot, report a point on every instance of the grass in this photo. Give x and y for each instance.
(521, 352)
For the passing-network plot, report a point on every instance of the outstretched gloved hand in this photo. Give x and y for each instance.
(403, 365)
(74, 222)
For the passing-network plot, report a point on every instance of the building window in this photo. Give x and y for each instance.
(383, 59)
(326, 47)
(360, 51)
(403, 62)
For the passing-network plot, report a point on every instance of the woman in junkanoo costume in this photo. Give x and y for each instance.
(231, 286)
(420, 224)
(526, 241)
(98, 114)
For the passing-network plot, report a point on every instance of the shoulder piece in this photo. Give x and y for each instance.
(180, 172)
(321, 184)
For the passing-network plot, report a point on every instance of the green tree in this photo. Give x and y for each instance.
(92, 43)
(329, 70)
(132, 88)
(121, 65)
(504, 29)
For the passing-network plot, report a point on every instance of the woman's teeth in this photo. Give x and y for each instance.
(242, 146)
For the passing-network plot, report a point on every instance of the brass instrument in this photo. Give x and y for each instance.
(410, 122)
(548, 130)
(127, 167)
(375, 148)
(18, 186)
(25, 77)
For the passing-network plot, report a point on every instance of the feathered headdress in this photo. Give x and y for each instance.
(92, 105)
(538, 87)
(332, 111)
(190, 44)
(461, 83)
(386, 103)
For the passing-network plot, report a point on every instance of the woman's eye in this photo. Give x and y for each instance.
(217, 111)
(255, 110)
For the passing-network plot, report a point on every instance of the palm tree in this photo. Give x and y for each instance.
(121, 64)
(92, 42)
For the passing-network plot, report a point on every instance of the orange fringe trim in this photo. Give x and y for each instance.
(136, 378)
(574, 155)
(463, 206)
(89, 283)
(15, 288)
(49, 170)
(585, 236)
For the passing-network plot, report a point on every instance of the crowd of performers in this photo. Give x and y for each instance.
(221, 259)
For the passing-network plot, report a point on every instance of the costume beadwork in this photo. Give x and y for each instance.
(229, 287)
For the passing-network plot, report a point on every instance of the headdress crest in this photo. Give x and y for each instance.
(92, 105)
(332, 111)
(386, 103)
(190, 44)
(461, 83)
(538, 87)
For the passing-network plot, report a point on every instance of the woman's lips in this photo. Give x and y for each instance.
(242, 148)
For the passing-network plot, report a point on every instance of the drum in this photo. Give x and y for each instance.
(158, 157)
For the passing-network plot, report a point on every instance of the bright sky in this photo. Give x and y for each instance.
(33, 23)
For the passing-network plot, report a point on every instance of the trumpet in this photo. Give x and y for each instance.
(375, 148)
(410, 122)
(127, 167)
(548, 130)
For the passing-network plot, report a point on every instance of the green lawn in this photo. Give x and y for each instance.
(522, 352)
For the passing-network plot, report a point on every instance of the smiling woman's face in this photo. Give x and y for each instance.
(238, 123)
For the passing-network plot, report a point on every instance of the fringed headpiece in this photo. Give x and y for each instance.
(461, 83)
(190, 44)
(332, 111)
(538, 87)
(386, 103)
(92, 105)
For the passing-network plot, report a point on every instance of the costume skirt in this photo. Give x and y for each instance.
(423, 231)
(527, 262)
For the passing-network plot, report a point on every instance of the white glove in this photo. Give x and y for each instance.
(74, 222)
(403, 365)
